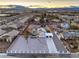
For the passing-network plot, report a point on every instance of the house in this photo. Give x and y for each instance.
(71, 35)
(2, 32)
(10, 35)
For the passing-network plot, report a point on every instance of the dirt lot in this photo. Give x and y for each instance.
(72, 45)
(4, 46)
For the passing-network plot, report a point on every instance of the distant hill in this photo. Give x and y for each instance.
(19, 8)
(71, 8)
(16, 8)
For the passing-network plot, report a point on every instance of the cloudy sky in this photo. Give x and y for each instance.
(46, 3)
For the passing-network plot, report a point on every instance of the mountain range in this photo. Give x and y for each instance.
(22, 8)
(15, 8)
(70, 8)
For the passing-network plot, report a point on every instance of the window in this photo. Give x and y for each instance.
(50, 36)
(46, 36)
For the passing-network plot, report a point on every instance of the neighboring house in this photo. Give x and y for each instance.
(71, 35)
(9, 36)
(2, 32)
(65, 25)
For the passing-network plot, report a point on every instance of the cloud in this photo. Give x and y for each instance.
(48, 3)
